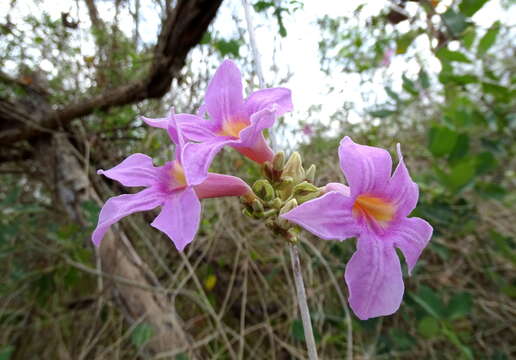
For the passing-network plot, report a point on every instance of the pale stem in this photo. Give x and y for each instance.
(303, 304)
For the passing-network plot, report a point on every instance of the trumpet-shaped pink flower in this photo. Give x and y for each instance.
(234, 121)
(374, 208)
(177, 186)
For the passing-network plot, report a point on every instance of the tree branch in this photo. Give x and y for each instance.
(181, 31)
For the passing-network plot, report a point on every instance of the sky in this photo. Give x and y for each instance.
(297, 54)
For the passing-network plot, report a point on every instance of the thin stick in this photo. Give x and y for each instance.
(303, 304)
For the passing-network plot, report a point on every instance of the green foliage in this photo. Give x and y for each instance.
(141, 334)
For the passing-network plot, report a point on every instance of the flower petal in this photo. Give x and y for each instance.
(223, 97)
(411, 236)
(329, 217)
(120, 206)
(367, 169)
(341, 188)
(374, 278)
(262, 99)
(176, 135)
(180, 217)
(160, 123)
(252, 142)
(197, 159)
(196, 128)
(218, 185)
(402, 190)
(135, 170)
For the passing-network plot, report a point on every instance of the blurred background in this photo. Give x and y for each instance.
(436, 76)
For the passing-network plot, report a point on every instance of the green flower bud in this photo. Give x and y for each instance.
(278, 161)
(264, 189)
(294, 168)
(305, 191)
(257, 206)
(289, 205)
(276, 203)
(310, 173)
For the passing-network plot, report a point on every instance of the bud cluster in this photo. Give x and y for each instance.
(285, 185)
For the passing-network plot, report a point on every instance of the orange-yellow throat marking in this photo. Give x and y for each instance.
(232, 128)
(178, 174)
(374, 208)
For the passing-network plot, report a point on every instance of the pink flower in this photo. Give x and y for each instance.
(234, 121)
(374, 208)
(177, 187)
(387, 57)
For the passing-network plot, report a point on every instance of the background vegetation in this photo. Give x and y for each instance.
(452, 110)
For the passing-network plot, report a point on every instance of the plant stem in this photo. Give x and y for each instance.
(303, 304)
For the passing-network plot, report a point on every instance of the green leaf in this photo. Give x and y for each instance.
(485, 162)
(498, 91)
(460, 149)
(442, 140)
(461, 175)
(449, 55)
(141, 334)
(470, 7)
(424, 79)
(408, 85)
(456, 341)
(404, 41)
(491, 190)
(382, 113)
(392, 94)
(460, 305)
(469, 37)
(263, 5)
(429, 327)
(6, 352)
(429, 301)
(226, 47)
(297, 330)
(456, 22)
(488, 39)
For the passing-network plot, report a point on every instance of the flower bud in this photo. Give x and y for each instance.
(257, 206)
(268, 171)
(294, 167)
(310, 173)
(305, 191)
(278, 161)
(264, 189)
(289, 205)
(276, 203)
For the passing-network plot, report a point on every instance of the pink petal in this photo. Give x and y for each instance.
(180, 217)
(160, 123)
(197, 159)
(252, 143)
(176, 135)
(328, 217)
(367, 169)
(223, 97)
(218, 185)
(120, 206)
(262, 99)
(402, 190)
(411, 236)
(374, 278)
(196, 128)
(135, 170)
(341, 188)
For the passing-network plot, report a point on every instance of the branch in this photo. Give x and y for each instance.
(181, 31)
